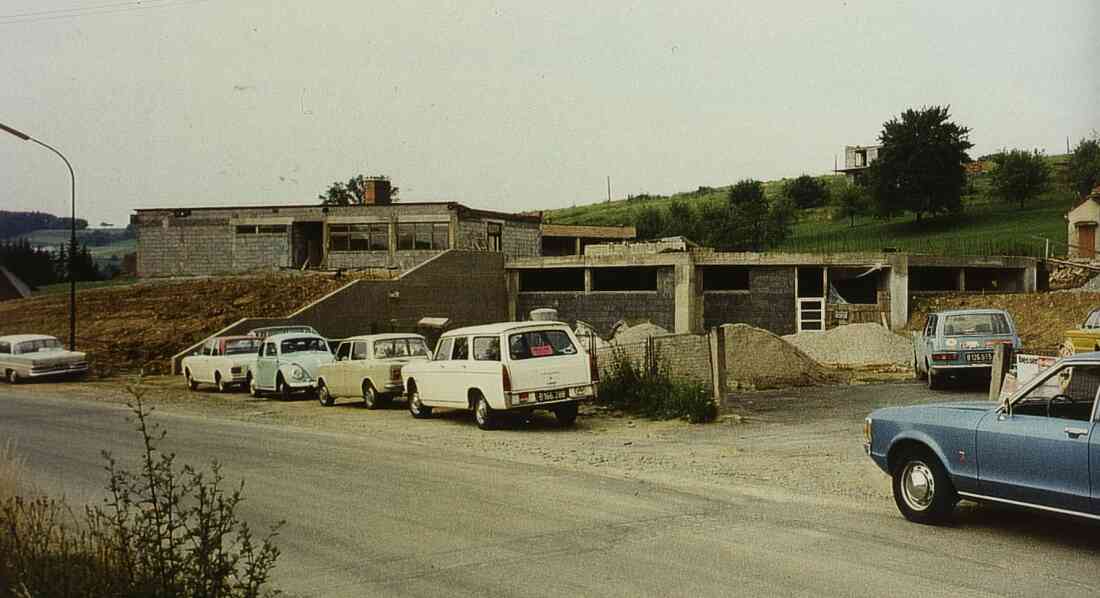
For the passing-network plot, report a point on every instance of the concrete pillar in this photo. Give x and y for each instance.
(587, 280)
(962, 279)
(1031, 278)
(511, 281)
(578, 247)
(899, 291)
(686, 300)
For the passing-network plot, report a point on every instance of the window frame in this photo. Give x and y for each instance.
(1041, 381)
(440, 354)
(341, 349)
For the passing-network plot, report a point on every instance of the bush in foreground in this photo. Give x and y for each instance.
(647, 389)
(162, 531)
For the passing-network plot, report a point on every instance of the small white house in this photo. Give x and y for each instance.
(1082, 222)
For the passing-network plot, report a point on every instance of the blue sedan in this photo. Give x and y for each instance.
(1037, 448)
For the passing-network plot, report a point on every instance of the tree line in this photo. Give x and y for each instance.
(38, 266)
(13, 224)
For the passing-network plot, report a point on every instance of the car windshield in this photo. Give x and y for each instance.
(400, 347)
(540, 343)
(303, 344)
(273, 330)
(41, 344)
(242, 345)
(975, 325)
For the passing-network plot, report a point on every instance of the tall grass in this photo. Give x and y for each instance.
(11, 471)
(648, 389)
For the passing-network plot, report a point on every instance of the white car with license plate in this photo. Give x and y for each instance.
(223, 361)
(369, 367)
(288, 364)
(506, 367)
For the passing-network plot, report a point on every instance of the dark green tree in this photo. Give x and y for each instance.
(350, 193)
(850, 202)
(752, 223)
(920, 165)
(650, 223)
(1020, 175)
(1083, 168)
(806, 192)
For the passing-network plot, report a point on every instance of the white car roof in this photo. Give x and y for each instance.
(276, 338)
(502, 327)
(381, 337)
(18, 338)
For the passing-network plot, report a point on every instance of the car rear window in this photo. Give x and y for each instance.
(540, 343)
(975, 325)
(245, 345)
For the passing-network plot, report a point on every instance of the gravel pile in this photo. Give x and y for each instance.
(1092, 286)
(758, 359)
(855, 345)
(637, 334)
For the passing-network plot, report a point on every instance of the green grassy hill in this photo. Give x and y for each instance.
(986, 225)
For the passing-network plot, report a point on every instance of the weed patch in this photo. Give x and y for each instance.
(647, 389)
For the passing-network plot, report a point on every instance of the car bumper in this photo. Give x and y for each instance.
(545, 398)
(957, 367)
(57, 371)
(301, 385)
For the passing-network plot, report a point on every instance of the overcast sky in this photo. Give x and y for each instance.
(507, 106)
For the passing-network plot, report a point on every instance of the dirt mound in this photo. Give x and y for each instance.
(638, 333)
(126, 328)
(758, 359)
(855, 345)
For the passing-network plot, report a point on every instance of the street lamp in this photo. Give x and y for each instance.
(72, 230)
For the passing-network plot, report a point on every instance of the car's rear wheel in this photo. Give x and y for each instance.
(416, 408)
(191, 384)
(371, 399)
(566, 414)
(283, 389)
(324, 396)
(14, 377)
(484, 415)
(922, 490)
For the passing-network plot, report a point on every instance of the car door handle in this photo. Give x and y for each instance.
(1076, 432)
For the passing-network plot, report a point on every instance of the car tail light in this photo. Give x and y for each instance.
(593, 368)
(945, 356)
(505, 379)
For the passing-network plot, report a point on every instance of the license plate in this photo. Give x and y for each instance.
(979, 357)
(551, 395)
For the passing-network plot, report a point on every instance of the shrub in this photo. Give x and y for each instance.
(647, 389)
(162, 531)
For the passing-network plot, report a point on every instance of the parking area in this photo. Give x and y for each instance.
(798, 444)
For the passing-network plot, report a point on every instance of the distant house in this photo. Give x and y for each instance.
(1081, 224)
(857, 158)
(11, 287)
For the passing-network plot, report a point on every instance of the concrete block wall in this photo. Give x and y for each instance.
(686, 355)
(603, 309)
(518, 239)
(769, 303)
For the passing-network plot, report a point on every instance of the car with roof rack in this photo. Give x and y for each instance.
(508, 367)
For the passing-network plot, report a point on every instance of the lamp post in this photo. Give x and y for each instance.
(72, 230)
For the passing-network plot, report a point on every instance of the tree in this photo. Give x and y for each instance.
(1083, 168)
(751, 223)
(806, 192)
(920, 165)
(1020, 175)
(649, 223)
(349, 194)
(850, 202)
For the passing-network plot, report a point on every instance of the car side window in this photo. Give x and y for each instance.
(269, 350)
(1093, 321)
(487, 348)
(930, 327)
(343, 351)
(443, 351)
(359, 350)
(1068, 392)
(5, 348)
(462, 349)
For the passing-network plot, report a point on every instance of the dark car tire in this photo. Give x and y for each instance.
(416, 408)
(220, 382)
(371, 400)
(484, 415)
(13, 377)
(922, 491)
(324, 396)
(566, 414)
(252, 388)
(191, 384)
(283, 389)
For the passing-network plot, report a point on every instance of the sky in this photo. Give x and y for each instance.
(509, 106)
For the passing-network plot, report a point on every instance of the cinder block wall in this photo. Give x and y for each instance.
(602, 309)
(686, 355)
(768, 304)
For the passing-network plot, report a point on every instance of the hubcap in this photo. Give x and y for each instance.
(918, 486)
(414, 403)
(482, 411)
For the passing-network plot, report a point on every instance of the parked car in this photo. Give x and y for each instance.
(224, 361)
(29, 356)
(959, 341)
(369, 367)
(511, 366)
(267, 331)
(288, 363)
(1031, 450)
(1084, 339)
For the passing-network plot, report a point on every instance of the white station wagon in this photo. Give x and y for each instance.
(288, 363)
(369, 367)
(512, 366)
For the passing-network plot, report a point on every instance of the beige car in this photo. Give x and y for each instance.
(369, 367)
(32, 356)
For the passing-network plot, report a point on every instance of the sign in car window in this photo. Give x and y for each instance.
(540, 343)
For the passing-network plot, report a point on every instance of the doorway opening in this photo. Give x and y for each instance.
(308, 244)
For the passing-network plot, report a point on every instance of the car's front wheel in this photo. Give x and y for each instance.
(222, 386)
(922, 490)
(416, 408)
(252, 388)
(13, 377)
(324, 396)
(371, 399)
(283, 389)
(191, 384)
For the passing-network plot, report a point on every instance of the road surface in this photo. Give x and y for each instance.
(372, 517)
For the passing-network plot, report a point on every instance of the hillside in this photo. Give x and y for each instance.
(143, 324)
(986, 225)
(13, 224)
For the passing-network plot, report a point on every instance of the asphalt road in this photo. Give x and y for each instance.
(373, 517)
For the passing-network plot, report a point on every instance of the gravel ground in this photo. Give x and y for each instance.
(857, 345)
(803, 443)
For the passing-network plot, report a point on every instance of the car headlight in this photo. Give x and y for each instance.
(297, 372)
(867, 430)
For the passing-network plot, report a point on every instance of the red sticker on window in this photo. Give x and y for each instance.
(542, 350)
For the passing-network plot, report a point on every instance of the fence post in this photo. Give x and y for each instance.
(717, 342)
(1002, 357)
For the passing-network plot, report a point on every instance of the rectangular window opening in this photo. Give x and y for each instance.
(725, 278)
(551, 280)
(624, 279)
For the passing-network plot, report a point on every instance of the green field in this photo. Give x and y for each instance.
(986, 225)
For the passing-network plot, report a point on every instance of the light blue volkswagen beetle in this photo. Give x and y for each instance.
(1037, 448)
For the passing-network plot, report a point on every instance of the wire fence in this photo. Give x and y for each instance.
(981, 246)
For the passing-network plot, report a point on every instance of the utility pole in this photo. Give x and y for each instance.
(608, 188)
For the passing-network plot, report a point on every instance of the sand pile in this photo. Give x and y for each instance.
(758, 359)
(626, 335)
(858, 345)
